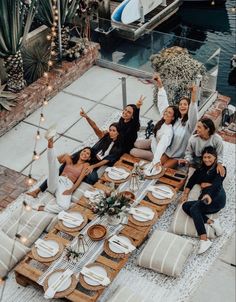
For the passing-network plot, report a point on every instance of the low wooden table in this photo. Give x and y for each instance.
(28, 273)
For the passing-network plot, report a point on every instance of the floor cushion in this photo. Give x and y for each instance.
(165, 253)
(28, 224)
(123, 293)
(9, 247)
(182, 224)
(79, 192)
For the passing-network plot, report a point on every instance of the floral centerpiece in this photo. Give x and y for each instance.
(113, 204)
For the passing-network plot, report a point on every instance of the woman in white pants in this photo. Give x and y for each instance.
(62, 186)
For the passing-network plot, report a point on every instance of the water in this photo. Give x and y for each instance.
(209, 24)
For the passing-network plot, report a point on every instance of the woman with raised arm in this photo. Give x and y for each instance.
(211, 200)
(184, 125)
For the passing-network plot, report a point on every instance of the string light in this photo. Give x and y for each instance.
(27, 206)
(50, 63)
(45, 102)
(42, 118)
(35, 156)
(233, 9)
(22, 238)
(213, 2)
(30, 180)
(53, 53)
(38, 135)
(49, 37)
(45, 74)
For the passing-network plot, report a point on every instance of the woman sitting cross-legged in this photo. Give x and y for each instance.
(154, 148)
(211, 200)
(64, 185)
(184, 125)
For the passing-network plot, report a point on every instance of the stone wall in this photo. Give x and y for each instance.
(31, 98)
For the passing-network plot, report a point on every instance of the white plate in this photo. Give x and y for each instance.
(53, 279)
(76, 215)
(146, 209)
(114, 248)
(96, 269)
(43, 253)
(162, 193)
(155, 171)
(116, 176)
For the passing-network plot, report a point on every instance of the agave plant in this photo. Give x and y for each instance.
(13, 30)
(68, 9)
(6, 98)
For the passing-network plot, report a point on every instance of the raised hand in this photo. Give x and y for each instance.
(83, 113)
(157, 80)
(139, 102)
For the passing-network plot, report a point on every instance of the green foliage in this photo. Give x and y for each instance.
(6, 98)
(13, 27)
(35, 61)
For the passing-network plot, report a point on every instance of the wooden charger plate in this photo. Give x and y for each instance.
(65, 292)
(67, 229)
(156, 176)
(48, 259)
(162, 201)
(143, 223)
(97, 232)
(119, 181)
(91, 287)
(112, 254)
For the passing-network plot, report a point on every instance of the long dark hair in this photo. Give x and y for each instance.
(75, 156)
(209, 150)
(162, 121)
(105, 141)
(208, 124)
(134, 122)
(185, 117)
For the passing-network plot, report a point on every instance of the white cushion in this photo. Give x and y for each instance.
(11, 252)
(165, 253)
(79, 192)
(182, 224)
(124, 294)
(28, 224)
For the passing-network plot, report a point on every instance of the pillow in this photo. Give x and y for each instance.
(125, 294)
(28, 224)
(79, 192)
(194, 193)
(182, 224)
(9, 246)
(165, 253)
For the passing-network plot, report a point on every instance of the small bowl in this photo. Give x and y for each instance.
(97, 232)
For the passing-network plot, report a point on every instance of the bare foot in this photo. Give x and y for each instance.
(34, 193)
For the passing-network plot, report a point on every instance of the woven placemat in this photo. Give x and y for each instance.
(48, 259)
(157, 176)
(91, 287)
(162, 201)
(65, 292)
(119, 181)
(144, 223)
(112, 254)
(67, 229)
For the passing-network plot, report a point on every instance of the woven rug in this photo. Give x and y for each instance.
(154, 286)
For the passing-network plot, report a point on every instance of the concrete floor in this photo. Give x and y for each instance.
(100, 99)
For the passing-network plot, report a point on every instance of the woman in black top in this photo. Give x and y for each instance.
(211, 200)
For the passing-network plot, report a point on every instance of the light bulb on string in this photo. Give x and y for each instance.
(54, 23)
(56, 11)
(50, 63)
(48, 37)
(54, 7)
(56, 18)
(30, 180)
(45, 74)
(53, 44)
(49, 87)
(27, 206)
(54, 34)
(35, 155)
(42, 118)
(38, 135)
(22, 238)
(53, 53)
(212, 2)
(233, 9)
(45, 102)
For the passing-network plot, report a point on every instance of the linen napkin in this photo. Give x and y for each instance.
(123, 245)
(53, 288)
(101, 279)
(70, 218)
(161, 192)
(142, 213)
(117, 172)
(94, 196)
(45, 246)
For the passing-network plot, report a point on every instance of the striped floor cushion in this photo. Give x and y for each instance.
(124, 294)
(165, 253)
(28, 224)
(182, 224)
(11, 252)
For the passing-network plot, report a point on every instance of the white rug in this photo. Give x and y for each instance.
(155, 287)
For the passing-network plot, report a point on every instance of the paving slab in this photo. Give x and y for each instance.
(135, 88)
(95, 84)
(63, 109)
(40, 167)
(153, 114)
(218, 285)
(17, 146)
(228, 254)
(81, 130)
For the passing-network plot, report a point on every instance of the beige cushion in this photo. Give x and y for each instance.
(182, 224)
(79, 192)
(165, 253)
(28, 224)
(10, 247)
(124, 294)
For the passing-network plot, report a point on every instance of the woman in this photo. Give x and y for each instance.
(64, 185)
(205, 136)
(153, 149)
(184, 125)
(211, 200)
(107, 151)
(128, 125)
